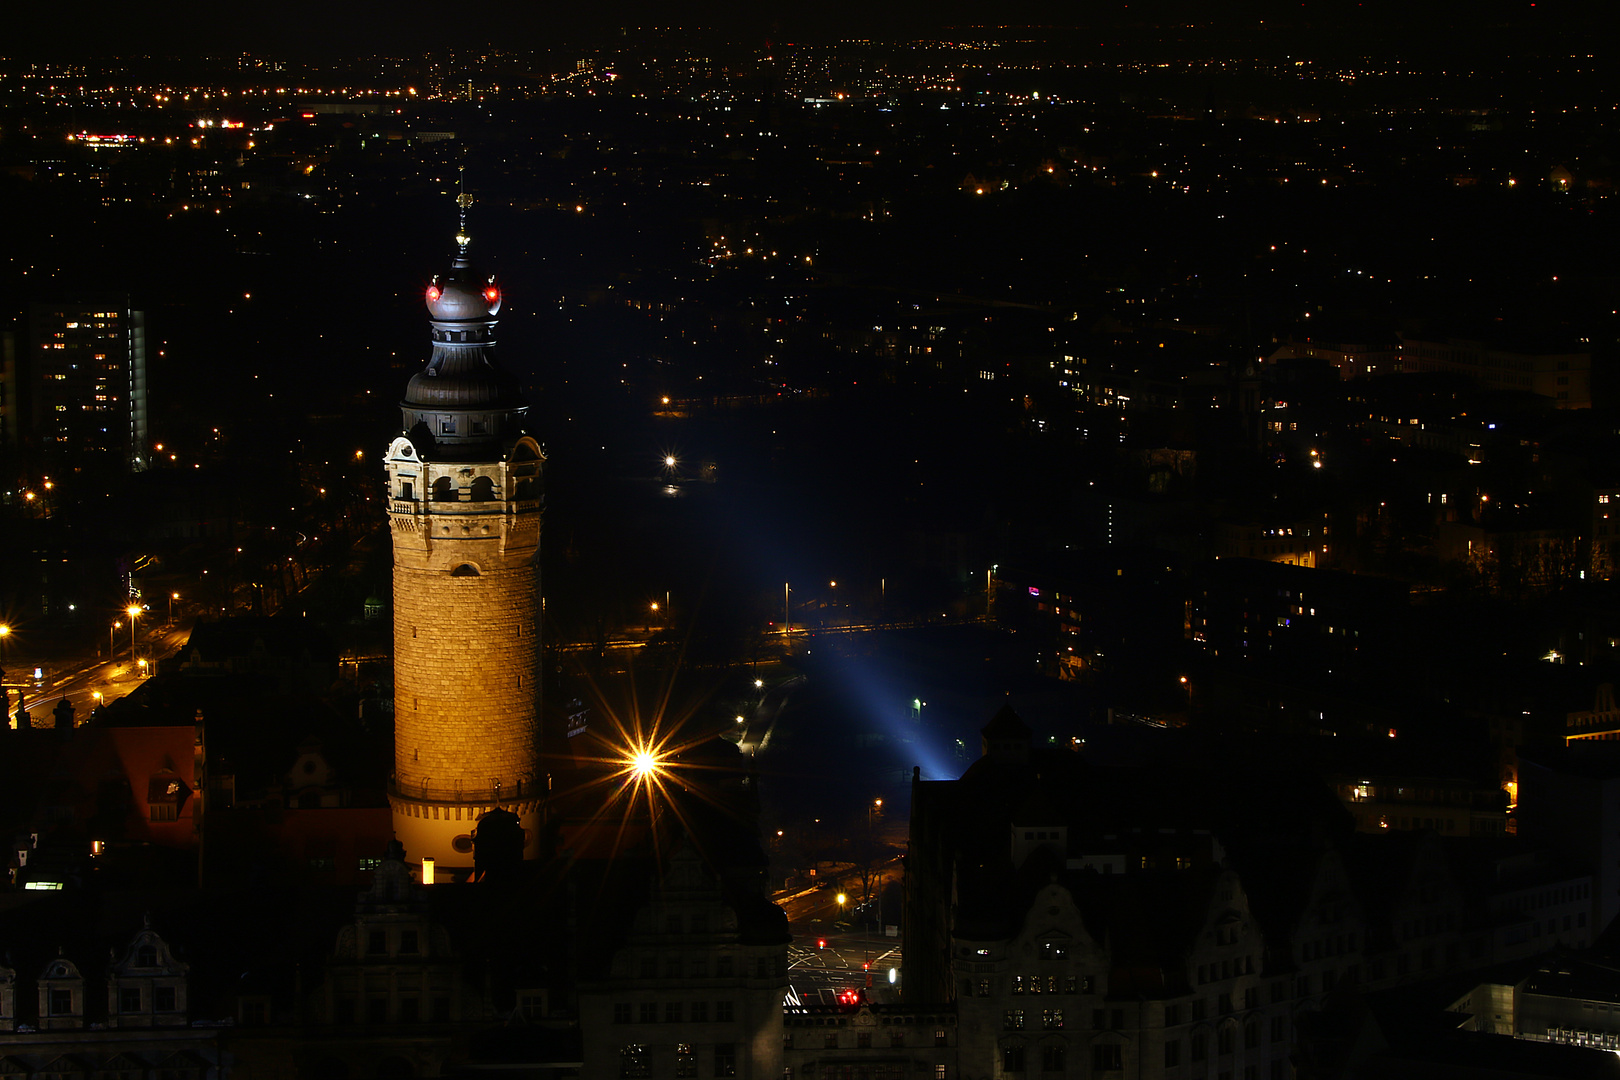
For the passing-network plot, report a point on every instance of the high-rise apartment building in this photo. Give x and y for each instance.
(81, 382)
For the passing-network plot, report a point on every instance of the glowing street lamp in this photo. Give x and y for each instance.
(134, 612)
(172, 598)
(643, 764)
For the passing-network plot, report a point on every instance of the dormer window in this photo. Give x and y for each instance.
(447, 425)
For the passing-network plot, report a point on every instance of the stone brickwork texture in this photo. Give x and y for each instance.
(466, 602)
(464, 679)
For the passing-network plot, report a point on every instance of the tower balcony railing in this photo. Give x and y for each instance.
(432, 791)
(456, 506)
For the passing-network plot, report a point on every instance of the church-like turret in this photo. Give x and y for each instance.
(464, 503)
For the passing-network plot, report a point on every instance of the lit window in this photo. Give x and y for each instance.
(633, 1061)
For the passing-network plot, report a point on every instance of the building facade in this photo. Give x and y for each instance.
(696, 990)
(83, 380)
(1565, 377)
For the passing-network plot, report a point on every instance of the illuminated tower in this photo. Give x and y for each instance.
(465, 506)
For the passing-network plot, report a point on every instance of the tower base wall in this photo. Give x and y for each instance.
(442, 828)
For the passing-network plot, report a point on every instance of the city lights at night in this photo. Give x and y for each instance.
(844, 542)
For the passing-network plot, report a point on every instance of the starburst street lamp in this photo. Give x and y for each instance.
(644, 764)
(134, 612)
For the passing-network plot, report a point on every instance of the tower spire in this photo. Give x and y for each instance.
(463, 200)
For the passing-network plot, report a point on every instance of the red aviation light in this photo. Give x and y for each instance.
(433, 294)
(492, 294)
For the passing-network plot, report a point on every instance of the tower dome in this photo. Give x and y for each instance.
(463, 404)
(463, 294)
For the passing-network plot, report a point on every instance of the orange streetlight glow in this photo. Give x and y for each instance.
(641, 771)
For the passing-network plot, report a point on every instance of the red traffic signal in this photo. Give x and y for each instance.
(821, 943)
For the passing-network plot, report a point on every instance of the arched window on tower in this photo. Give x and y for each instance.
(525, 489)
(465, 570)
(483, 489)
(444, 489)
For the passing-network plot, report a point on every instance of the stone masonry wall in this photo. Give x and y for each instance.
(465, 625)
(464, 679)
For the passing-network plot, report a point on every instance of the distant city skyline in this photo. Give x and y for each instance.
(305, 28)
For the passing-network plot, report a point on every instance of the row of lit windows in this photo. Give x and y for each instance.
(1606, 1040)
(1039, 984)
(1013, 1019)
(635, 1061)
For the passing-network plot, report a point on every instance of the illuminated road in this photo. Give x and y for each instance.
(81, 682)
(818, 974)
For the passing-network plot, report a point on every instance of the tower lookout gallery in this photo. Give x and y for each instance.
(464, 506)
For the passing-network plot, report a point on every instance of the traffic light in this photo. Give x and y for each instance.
(821, 943)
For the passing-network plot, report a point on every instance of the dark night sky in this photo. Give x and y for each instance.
(349, 26)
